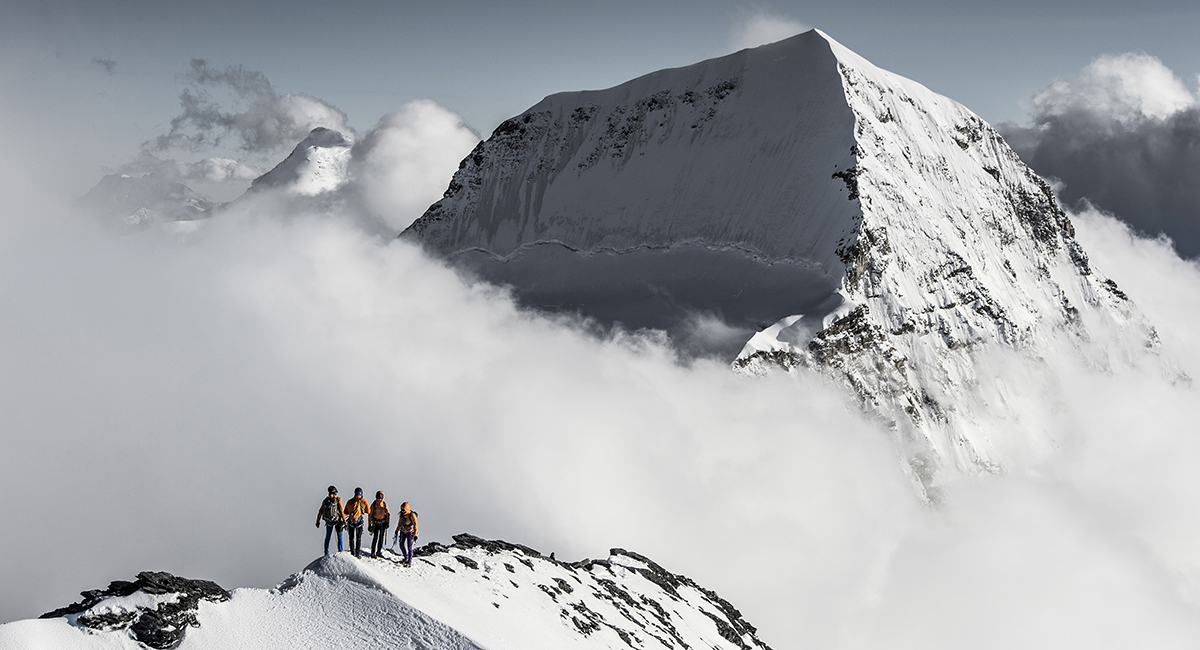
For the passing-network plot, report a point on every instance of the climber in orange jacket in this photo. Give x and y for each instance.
(381, 519)
(407, 530)
(356, 511)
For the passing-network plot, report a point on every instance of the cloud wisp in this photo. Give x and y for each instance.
(108, 65)
(261, 119)
(206, 170)
(1124, 136)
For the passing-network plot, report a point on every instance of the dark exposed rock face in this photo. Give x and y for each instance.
(160, 627)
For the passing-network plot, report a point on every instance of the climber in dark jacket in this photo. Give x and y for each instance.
(331, 512)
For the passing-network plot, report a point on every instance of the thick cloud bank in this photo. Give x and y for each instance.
(1124, 135)
(401, 166)
(178, 400)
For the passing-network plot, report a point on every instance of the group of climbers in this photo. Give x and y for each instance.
(376, 517)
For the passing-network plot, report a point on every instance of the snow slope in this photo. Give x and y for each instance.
(720, 170)
(471, 595)
(317, 165)
(890, 234)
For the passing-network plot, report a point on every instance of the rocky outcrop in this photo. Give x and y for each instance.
(473, 593)
(156, 609)
(626, 596)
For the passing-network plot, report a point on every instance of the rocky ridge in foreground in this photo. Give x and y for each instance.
(469, 595)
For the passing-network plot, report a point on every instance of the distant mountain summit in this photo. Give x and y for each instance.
(890, 234)
(138, 201)
(471, 595)
(318, 164)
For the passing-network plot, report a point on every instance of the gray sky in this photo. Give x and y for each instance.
(88, 82)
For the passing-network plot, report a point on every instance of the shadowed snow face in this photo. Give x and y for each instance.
(663, 289)
(180, 402)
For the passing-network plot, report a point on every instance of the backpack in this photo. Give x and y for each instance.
(359, 507)
(330, 511)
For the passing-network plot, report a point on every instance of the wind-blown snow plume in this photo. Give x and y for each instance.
(1124, 135)
(759, 27)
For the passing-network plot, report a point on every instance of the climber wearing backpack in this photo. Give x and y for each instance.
(407, 530)
(356, 511)
(381, 519)
(331, 513)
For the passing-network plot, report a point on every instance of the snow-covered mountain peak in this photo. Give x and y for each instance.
(890, 233)
(470, 595)
(318, 164)
(139, 201)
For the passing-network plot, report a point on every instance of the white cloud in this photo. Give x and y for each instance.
(1123, 87)
(1125, 136)
(760, 27)
(405, 163)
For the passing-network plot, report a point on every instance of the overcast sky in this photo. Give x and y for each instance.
(88, 82)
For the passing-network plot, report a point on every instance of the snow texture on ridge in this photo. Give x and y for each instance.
(961, 249)
(470, 595)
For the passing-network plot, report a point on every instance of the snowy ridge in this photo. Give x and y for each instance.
(961, 248)
(317, 165)
(470, 595)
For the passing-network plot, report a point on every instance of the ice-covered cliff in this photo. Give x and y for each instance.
(470, 595)
(889, 233)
